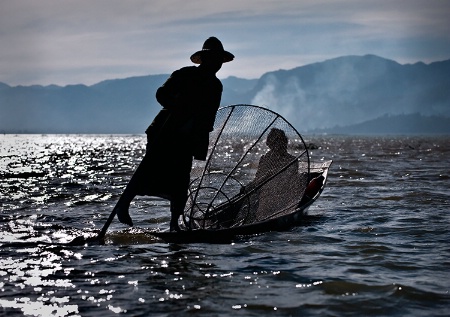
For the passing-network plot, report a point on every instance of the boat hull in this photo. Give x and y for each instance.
(227, 235)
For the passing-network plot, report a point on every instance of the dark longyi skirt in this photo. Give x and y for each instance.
(164, 171)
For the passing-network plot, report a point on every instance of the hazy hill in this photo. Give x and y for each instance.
(112, 106)
(400, 124)
(344, 91)
(353, 89)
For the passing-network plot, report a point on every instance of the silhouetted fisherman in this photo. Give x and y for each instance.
(180, 132)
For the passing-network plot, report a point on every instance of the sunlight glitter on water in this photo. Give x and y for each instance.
(366, 252)
(36, 270)
(39, 308)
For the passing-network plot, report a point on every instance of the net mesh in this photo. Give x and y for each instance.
(257, 169)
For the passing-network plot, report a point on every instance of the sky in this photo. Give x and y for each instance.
(86, 41)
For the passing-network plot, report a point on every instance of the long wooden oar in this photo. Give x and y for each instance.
(102, 233)
(99, 238)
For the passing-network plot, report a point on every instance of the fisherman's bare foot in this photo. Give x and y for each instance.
(124, 215)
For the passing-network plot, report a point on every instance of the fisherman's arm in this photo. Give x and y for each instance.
(167, 95)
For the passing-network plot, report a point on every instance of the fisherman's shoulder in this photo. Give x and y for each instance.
(186, 71)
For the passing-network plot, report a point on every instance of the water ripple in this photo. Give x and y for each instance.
(376, 243)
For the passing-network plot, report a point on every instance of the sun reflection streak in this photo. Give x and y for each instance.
(38, 308)
(39, 273)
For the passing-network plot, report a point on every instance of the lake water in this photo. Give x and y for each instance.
(376, 243)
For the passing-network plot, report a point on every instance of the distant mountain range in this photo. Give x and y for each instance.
(351, 94)
(401, 124)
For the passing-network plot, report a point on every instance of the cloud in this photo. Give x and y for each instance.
(51, 41)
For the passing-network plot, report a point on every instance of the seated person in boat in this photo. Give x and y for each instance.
(275, 190)
(278, 177)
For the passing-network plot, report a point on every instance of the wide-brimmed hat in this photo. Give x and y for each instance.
(212, 45)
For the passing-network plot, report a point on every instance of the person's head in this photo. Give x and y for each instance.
(212, 55)
(277, 140)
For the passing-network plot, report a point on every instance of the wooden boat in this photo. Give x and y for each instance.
(257, 178)
(317, 180)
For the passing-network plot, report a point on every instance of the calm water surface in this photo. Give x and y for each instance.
(375, 244)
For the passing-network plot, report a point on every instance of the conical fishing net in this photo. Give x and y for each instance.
(257, 169)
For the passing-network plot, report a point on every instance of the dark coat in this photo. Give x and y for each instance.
(190, 101)
(179, 132)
